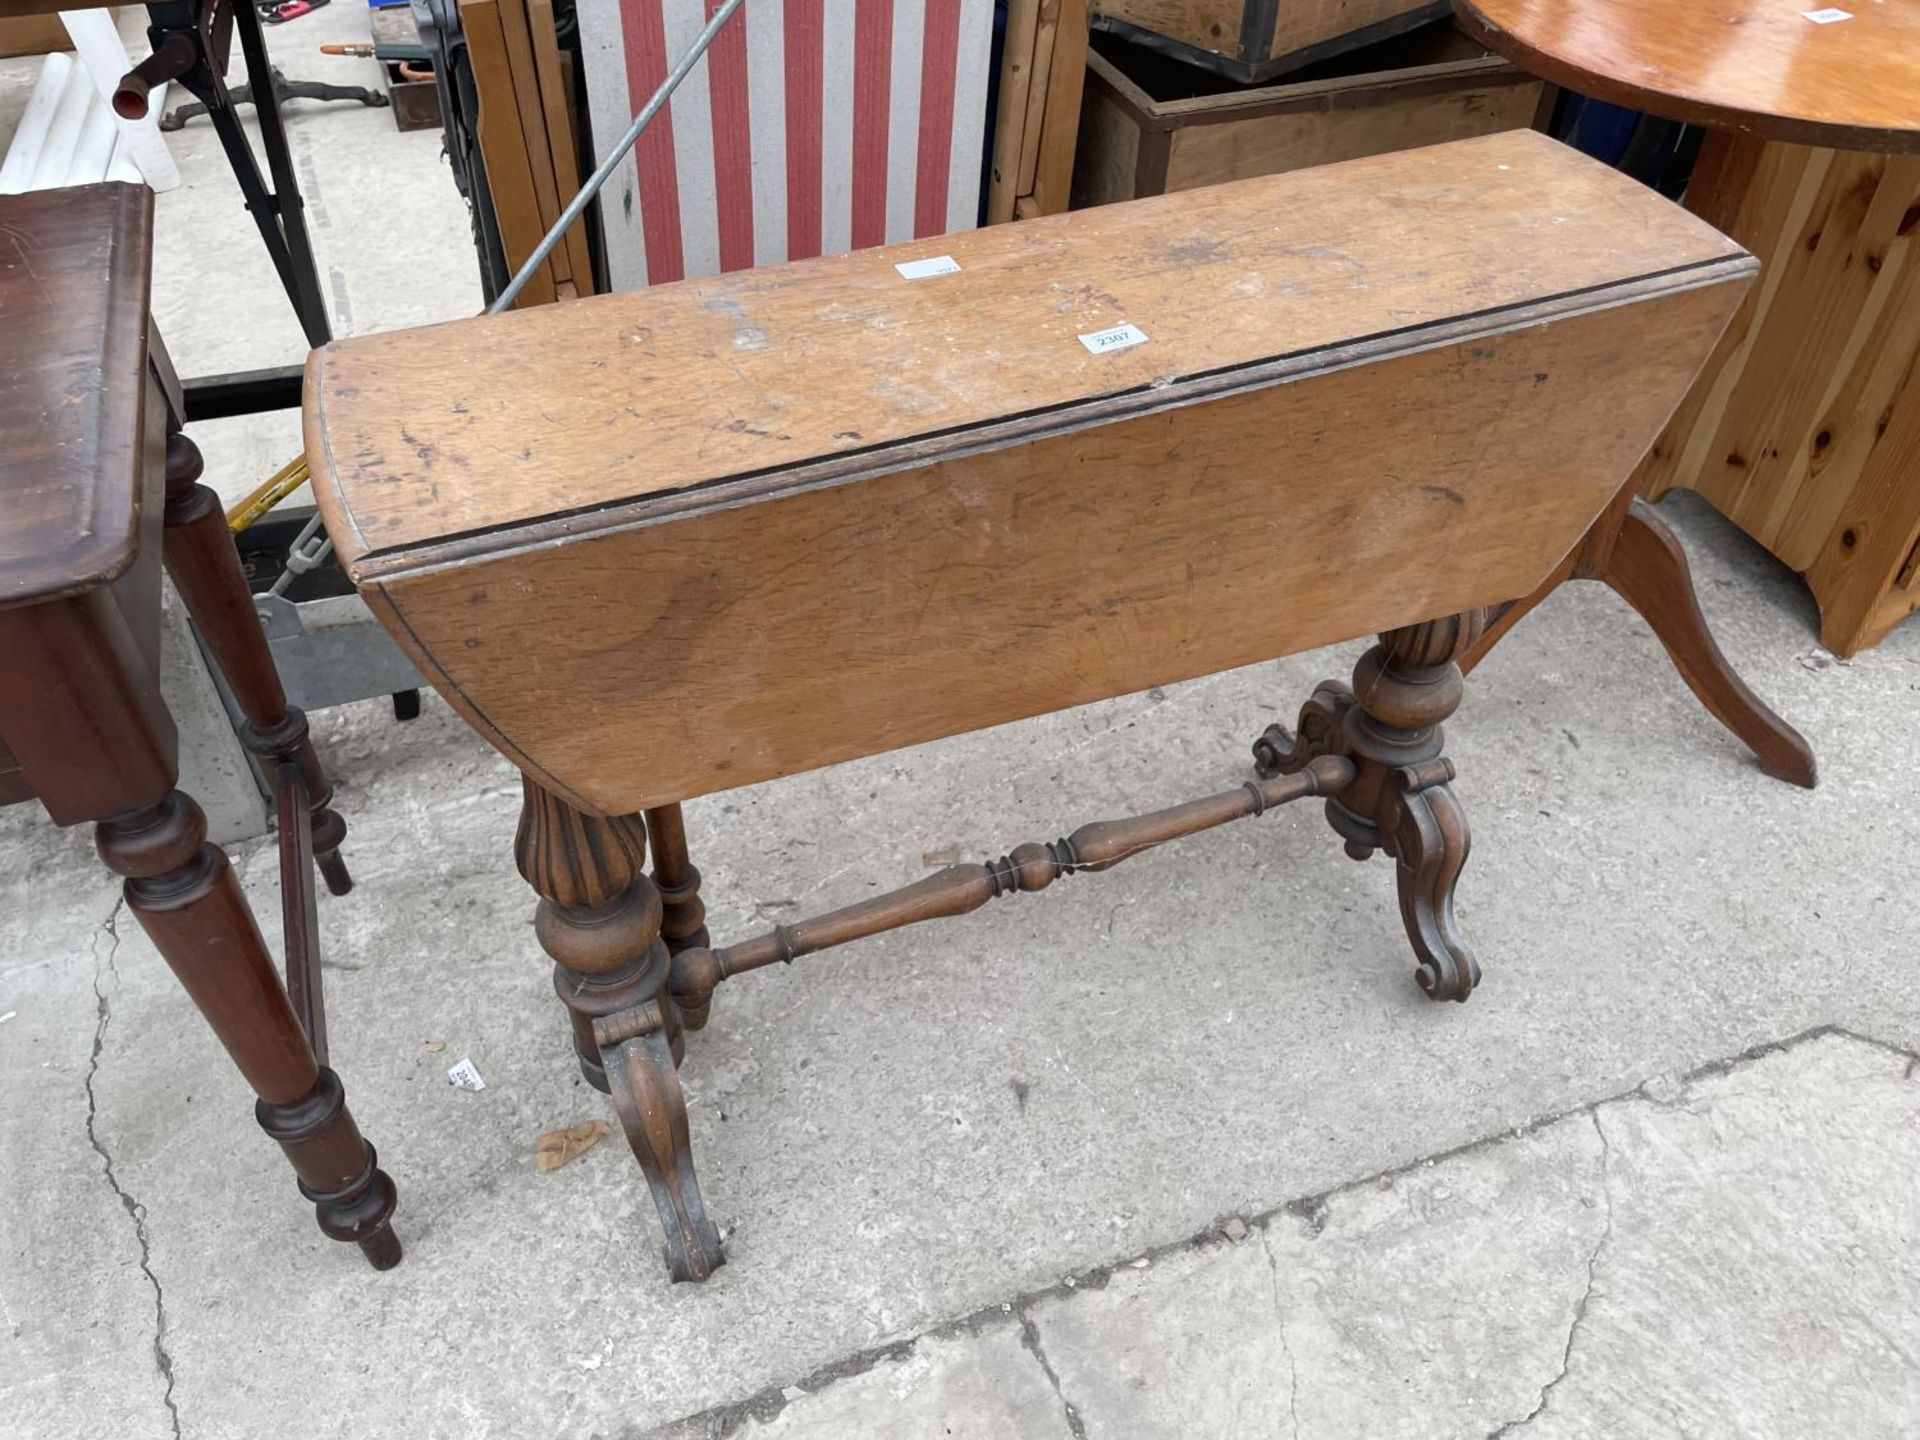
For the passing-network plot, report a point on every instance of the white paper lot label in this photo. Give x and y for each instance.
(1827, 17)
(921, 269)
(465, 1076)
(1120, 337)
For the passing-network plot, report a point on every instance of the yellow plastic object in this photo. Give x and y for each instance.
(287, 479)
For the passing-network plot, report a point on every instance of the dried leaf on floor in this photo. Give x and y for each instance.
(557, 1147)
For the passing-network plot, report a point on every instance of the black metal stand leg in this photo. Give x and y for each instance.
(281, 215)
(287, 90)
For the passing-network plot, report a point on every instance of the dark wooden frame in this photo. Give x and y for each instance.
(85, 728)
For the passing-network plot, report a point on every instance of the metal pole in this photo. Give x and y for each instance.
(304, 554)
(614, 157)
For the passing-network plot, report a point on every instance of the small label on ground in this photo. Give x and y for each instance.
(1120, 337)
(1827, 17)
(465, 1077)
(921, 269)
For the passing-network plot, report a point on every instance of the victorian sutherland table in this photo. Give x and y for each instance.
(657, 545)
(1804, 428)
(91, 461)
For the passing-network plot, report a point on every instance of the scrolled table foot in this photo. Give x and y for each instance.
(1387, 724)
(1430, 843)
(645, 1084)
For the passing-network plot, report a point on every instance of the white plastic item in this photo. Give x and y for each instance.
(30, 136)
(63, 136)
(98, 136)
(121, 166)
(98, 46)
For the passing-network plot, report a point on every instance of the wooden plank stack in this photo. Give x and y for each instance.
(1037, 119)
(527, 139)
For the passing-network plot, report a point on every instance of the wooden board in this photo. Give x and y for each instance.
(1310, 25)
(1254, 40)
(73, 305)
(503, 147)
(1794, 429)
(556, 101)
(742, 542)
(1037, 121)
(1212, 25)
(713, 379)
(533, 125)
(1390, 118)
(1010, 113)
(1060, 122)
(1106, 162)
(1035, 116)
(1755, 67)
(32, 35)
(1437, 86)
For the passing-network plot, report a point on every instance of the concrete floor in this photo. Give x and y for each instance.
(1177, 1152)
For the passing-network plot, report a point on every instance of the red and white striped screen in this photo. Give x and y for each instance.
(812, 127)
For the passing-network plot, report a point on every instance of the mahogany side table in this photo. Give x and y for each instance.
(1804, 427)
(91, 462)
(662, 544)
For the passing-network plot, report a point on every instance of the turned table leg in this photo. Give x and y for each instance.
(186, 898)
(205, 569)
(1400, 802)
(1632, 551)
(599, 919)
(683, 921)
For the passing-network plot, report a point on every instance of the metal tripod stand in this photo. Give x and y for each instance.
(191, 41)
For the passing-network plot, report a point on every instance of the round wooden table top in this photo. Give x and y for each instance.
(1845, 75)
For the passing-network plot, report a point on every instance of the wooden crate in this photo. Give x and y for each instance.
(1804, 427)
(1252, 40)
(1150, 125)
(32, 35)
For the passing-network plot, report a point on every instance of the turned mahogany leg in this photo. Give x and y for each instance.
(186, 898)
(205, 568)
(1388, 724)
(683, 923)
(600, 920)
(1634, 552)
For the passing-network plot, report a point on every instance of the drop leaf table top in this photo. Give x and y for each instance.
(664, 543)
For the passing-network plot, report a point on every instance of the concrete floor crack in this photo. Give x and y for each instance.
(136, 1212)
(723, 1420)
(1030, 1337)
(1586, 1295)
(1286, 1348)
